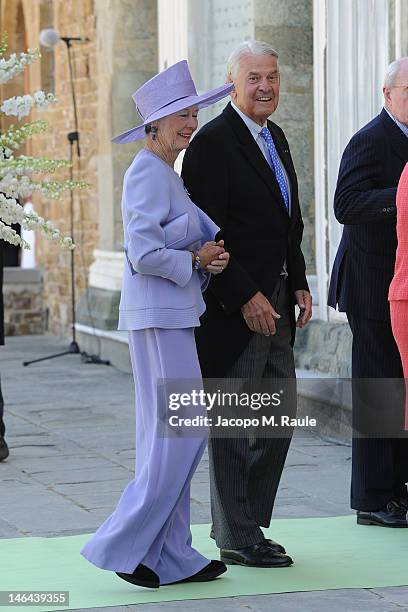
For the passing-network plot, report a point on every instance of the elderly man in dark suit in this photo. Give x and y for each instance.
(238, 169)
(365, 203)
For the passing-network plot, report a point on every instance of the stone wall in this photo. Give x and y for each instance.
(23, 20)
(74, 18)
(288, 26)
(121, 54)
(24, 309)
(324, 347)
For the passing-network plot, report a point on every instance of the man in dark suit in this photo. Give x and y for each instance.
(238, 169)
(365, 202)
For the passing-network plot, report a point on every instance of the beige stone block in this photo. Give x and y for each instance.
(280, 13)
(296, 79)
(294, 108)
(294, 44)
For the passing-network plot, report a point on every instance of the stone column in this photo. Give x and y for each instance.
(398, 29)
(215, 29)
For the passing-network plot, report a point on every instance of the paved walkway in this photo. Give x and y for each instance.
(70, 425)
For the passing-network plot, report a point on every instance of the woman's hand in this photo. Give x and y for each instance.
(218, 265)
(209, 252)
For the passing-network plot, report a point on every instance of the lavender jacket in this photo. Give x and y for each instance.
(161, 225)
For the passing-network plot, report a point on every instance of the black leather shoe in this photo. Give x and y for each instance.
(404, 504)
(393, 514)
(257, 555)
(209, 572)
(4, 451)
(142, 576)
(271, 543)
(275, 546)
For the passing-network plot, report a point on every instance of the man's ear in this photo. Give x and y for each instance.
(233, 93)
(386, 92)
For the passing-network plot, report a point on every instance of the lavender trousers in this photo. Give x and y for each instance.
(151, 523)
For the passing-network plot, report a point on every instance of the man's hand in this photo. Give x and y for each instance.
(304, 301)
(259, 315)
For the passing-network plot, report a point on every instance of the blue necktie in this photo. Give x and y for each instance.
(276, 165)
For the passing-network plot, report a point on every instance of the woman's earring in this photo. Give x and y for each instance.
(154, 132)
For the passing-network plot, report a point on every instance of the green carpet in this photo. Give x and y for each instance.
(329, 553)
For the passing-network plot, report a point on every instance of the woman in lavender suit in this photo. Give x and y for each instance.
(170, 252)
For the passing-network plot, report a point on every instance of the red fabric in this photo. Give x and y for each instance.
(398, 292)
(399, 322)
(399, 284)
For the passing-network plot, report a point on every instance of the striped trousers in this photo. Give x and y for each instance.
(245, 472)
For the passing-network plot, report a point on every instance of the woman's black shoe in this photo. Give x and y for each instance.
(142, 576)
(4, 451)
(209, 572)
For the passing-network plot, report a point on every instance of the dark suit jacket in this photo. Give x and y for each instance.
(365, 203)
(227, 175)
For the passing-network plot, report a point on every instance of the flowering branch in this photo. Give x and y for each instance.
(21, 106)
(55, 189)
(11, 67)
(26, 165)
(12, 212)
(3, 44)
(10, 235)
(15, 136)
(15, 173)
(23, 186)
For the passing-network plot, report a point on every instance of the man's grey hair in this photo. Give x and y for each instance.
(251, 47)
(392, 71)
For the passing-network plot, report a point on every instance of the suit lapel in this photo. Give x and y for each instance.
(254, 156)
(399, 141)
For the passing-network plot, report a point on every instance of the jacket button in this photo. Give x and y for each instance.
(384, 210)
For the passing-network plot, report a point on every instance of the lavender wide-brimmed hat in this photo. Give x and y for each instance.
(168, 92)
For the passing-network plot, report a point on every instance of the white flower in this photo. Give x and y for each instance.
(15, 173)
(12, 66)
(21, 106)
